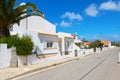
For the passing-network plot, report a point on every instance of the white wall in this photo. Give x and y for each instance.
(45, 38)
(71, 43)
(39, 24)
(39, 40)
(5, 56)
(66, 37)
(36, 24)
(32, 28)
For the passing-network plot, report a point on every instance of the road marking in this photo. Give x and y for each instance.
(95, 66)
(66, 63)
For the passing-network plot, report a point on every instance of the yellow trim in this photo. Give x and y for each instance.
(69, 37)
(49, 34)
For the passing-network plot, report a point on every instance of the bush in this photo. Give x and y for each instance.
(11, 41)
(24, 45)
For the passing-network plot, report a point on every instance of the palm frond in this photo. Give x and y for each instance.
(9, 14)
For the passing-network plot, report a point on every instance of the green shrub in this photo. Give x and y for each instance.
(25, 46)
(3, 40)
(11, 41)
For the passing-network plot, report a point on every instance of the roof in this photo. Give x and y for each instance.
(105, 42)
(87, 43)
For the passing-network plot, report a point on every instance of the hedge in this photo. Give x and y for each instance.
(24, 45)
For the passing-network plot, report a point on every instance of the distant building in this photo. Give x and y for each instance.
(77, 41)
(87, 44)
(106, 43)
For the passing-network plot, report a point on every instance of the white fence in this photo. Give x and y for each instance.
(32, 59)
(5, 56)
(82, 52)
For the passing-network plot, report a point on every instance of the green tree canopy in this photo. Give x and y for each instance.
(11, 14)
(96, 43)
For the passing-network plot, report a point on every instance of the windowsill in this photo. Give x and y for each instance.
(49, 48)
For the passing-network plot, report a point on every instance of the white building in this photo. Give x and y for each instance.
(106, 43)
(78, 42)
(66, 42)
(47, 42)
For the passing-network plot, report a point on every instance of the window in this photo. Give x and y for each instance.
(49, 44)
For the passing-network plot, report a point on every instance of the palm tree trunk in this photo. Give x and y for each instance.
(4, 32)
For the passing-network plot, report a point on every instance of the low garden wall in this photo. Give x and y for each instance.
(5, 56)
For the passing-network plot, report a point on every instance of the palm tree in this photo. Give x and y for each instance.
(11, 14)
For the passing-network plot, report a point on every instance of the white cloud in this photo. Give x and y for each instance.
(69, 18)
(72, 16)
(92, 10)
(116, 36)
(65, 24)
(110, 5)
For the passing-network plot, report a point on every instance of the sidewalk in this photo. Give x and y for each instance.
(8, 73)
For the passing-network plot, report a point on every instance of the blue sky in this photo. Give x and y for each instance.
(91, 19)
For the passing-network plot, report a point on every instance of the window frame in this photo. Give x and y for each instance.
(49, 44)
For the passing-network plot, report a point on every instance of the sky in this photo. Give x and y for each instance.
(90, 19)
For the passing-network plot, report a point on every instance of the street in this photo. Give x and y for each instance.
(101, 66)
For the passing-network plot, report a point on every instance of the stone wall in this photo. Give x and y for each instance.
(14, 60)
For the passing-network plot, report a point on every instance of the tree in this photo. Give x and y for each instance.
(11, 14)
(96, 44)
(116, 44)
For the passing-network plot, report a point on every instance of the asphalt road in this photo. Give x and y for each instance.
(102, 66)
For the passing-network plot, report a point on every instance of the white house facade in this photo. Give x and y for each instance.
(47, 42)
(66, 42)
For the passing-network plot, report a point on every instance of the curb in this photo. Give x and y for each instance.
(45, 67)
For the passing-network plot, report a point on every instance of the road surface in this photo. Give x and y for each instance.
(101, 66)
